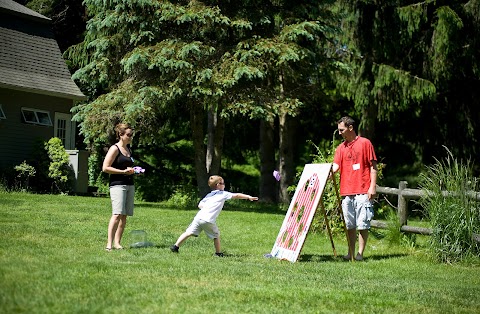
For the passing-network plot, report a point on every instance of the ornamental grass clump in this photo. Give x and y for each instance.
(452, 208)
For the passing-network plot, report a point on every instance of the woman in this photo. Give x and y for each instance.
(119, 164)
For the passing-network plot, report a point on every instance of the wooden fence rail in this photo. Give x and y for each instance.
(404, 195)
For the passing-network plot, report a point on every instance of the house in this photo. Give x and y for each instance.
(36, 90)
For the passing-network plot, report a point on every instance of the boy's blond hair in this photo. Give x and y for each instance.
(213, 181)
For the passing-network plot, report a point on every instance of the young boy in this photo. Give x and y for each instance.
(210, 207)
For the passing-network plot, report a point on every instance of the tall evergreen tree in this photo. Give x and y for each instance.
(147, 58)
(143, 60)
(289, 48)
(414, 63)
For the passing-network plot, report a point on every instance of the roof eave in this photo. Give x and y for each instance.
(33, 16)
(76, 97)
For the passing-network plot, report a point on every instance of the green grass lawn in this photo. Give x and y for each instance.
(52, 260)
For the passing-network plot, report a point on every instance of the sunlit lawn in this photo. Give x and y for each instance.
(52, 260)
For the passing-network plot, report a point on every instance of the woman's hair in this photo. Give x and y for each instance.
(121, 128)
(213, 181)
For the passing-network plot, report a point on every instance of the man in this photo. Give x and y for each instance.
(355, 159)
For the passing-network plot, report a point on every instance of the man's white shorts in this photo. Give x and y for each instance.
(198, 225)
(357, 211)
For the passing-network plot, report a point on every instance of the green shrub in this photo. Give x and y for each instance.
(38, 158)
(46, 170)
(330, 196)
(95, 168)
(59, 169)
(183, 198)
(7, 176)
(96, 177)
(25, 171)
(454, 216)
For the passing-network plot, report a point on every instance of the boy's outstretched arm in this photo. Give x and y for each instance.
(244, 197)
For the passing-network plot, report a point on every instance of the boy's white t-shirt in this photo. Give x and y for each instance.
(212, 204)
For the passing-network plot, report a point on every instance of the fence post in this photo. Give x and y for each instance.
(402, 203)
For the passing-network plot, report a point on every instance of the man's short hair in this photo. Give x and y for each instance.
(348, 121)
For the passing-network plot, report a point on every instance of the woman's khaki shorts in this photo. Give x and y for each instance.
(122, 197)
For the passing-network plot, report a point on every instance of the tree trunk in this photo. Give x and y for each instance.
(268, 185)
(285, 151)
(286, 164)
(216, 133)
(366, 124)
(196, 121)
(212, 121)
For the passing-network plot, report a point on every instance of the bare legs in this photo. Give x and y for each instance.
(186, 235)
(182, 238)
(116, 226)
(352, 238)
(362, 242)
(216, 242)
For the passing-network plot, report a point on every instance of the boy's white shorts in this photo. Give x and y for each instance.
(198, 225)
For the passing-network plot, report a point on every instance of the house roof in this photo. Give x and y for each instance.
(19, 9)
(30, 59)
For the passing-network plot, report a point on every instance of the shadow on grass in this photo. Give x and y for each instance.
(163, 246)
(330, 258)
(386, 256)
(318, 258)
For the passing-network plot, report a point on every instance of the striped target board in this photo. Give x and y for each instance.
(300, 213)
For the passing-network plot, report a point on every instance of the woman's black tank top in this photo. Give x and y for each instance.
(122, 162)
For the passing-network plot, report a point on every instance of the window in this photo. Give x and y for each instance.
(64, 129)
(61, 126)
(2, 114)
(36, 116)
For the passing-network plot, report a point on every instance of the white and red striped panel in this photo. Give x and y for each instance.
(300, 213)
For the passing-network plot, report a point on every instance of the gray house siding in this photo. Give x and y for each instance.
(18, 137)
(34, 75)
